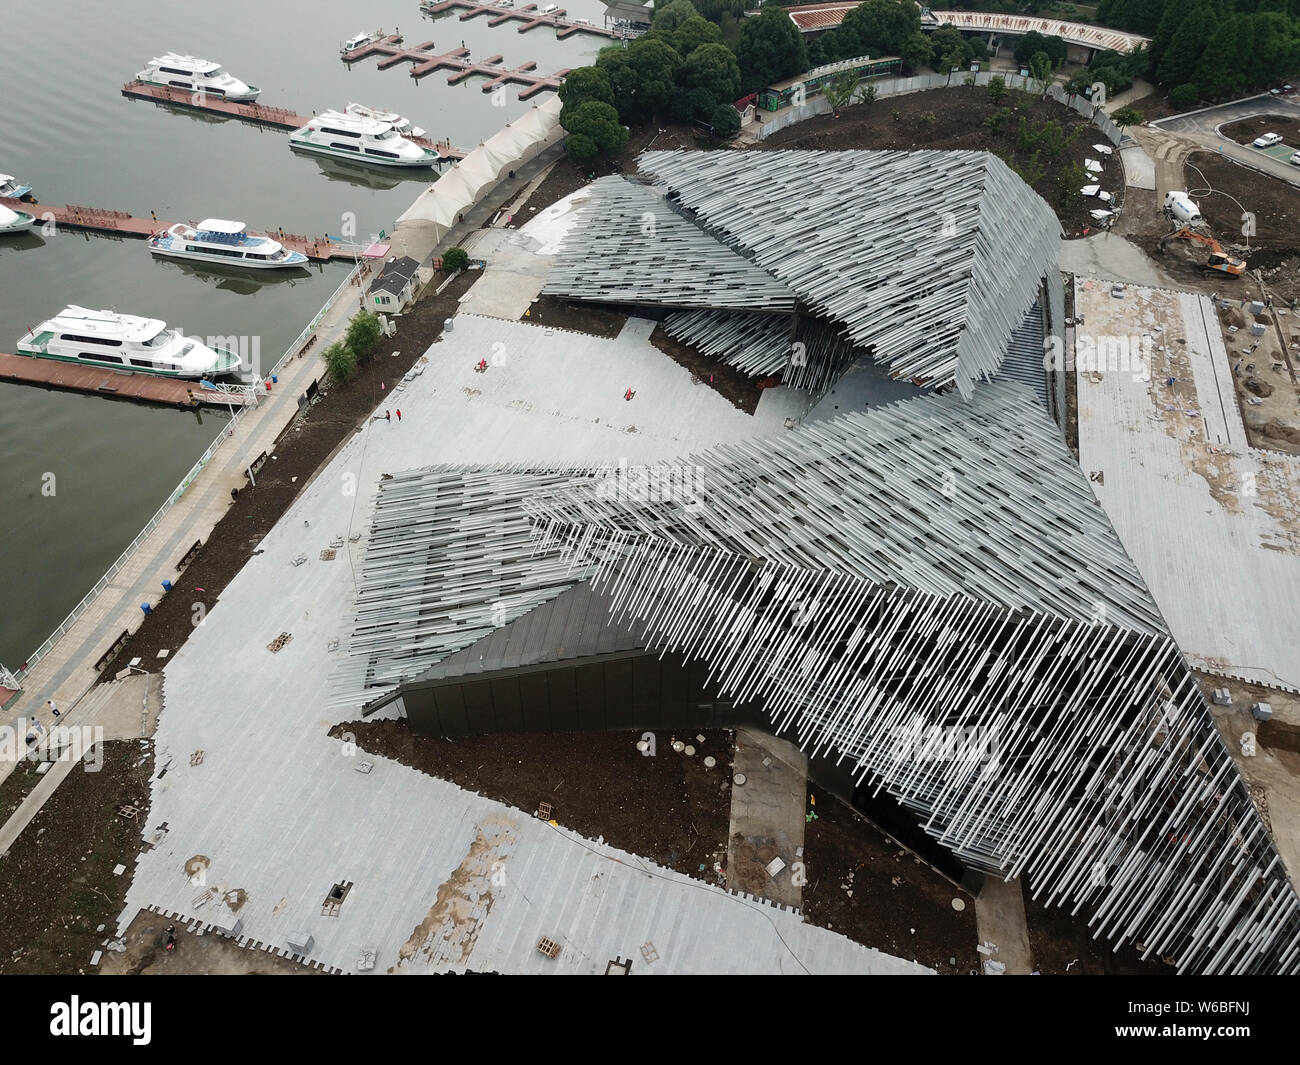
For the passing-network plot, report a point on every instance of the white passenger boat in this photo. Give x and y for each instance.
(10, 189)
(193, 74)
(357, 40)
(403, 126)
(363, 140)
(125, 342)
(14, 221)
(218, 240)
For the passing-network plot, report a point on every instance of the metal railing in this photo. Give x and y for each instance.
(176, 493)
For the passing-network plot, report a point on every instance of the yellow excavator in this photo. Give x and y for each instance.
(1219, 261)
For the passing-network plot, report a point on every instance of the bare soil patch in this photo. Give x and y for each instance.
(1245, 130)
(953, 119)
(549, 310)
(863, 885)
(739, 389)
(146, 954)
(1063, 946)
(667, 807)
(57, 880)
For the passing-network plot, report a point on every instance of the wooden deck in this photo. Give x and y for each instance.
(530, 15)
(122, 224)
(259, 114)
(119, 384)
(425, 61)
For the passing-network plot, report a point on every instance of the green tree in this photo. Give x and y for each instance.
(997, 88)
(880, 27)
(693, 105)
(668, 18)
(643, 76)
(1031, 170)
(1127, 116)
(1185, 96)
(454, 259)
(1225, 65)
(1179, 61)
(866, 94)
(594, 130)
(339, 361)
(770, 49)
(1069, 180)
(1033, 42)
(839, 90)
(725, 121)
(718, 10)
(916, 51)
(363, 335)
(583, 84)
(945, 41)
(692, 33)
(1040, 68)
(713, 68)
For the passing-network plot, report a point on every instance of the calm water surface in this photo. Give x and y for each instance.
(80, 474)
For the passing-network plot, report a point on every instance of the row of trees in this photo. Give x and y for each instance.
(1212, 49)
(681, 69)
(357, 346)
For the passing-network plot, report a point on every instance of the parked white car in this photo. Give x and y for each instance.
(1295, 159)
(1268, 140)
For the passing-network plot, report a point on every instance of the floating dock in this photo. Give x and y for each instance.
(529, 15)
(119, 223)
(426, 61)
(120, 384)
(258, 114)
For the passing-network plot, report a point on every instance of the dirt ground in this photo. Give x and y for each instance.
(16, 786)
(302, 450)
(739, 389)
(61, 899)
(669, 807)
(1247, 129)
(958, 114)
(898, 903)
(1152, 106)
(206, 955)
(1275, 244)
(549, 310)
(1058, 940)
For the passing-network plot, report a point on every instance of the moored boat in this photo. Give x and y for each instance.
(10, 189)
(14, 221)
(196, 75)
(219, 240)
(125, 342)
(362, 140)
(404, 126)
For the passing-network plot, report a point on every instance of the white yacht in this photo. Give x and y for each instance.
(362, 139)
(357, 40)
(14, 221)
(11, 190)
(187, 72)
(125, 342)
(218, 240)
(404, 126)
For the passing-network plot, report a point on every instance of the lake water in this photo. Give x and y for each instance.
(80, 474)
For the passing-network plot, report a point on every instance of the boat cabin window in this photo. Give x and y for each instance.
(90, 340)
(101, 356)
(349, 147)
(173, 70)
(141, 362)
(339, 132)
(386, 155)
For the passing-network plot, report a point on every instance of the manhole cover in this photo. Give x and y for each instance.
(958, 905)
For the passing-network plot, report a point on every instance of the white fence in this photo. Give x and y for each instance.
(226, 434)
(887, 87)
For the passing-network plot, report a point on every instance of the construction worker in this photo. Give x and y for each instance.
(628, 395)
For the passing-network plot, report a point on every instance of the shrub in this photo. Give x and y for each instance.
(725, 121)
(340, 361)
(363, 335)
(454, 259)
(1185, 96)
(997, 87)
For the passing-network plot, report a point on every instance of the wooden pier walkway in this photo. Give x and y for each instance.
(119, 223)
(120, 384)
(258, 114)
(530, 15)
(425, 61)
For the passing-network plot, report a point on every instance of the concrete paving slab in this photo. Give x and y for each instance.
(767, 818)
(1000, 919)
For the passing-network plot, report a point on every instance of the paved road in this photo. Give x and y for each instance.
(1202, 128)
